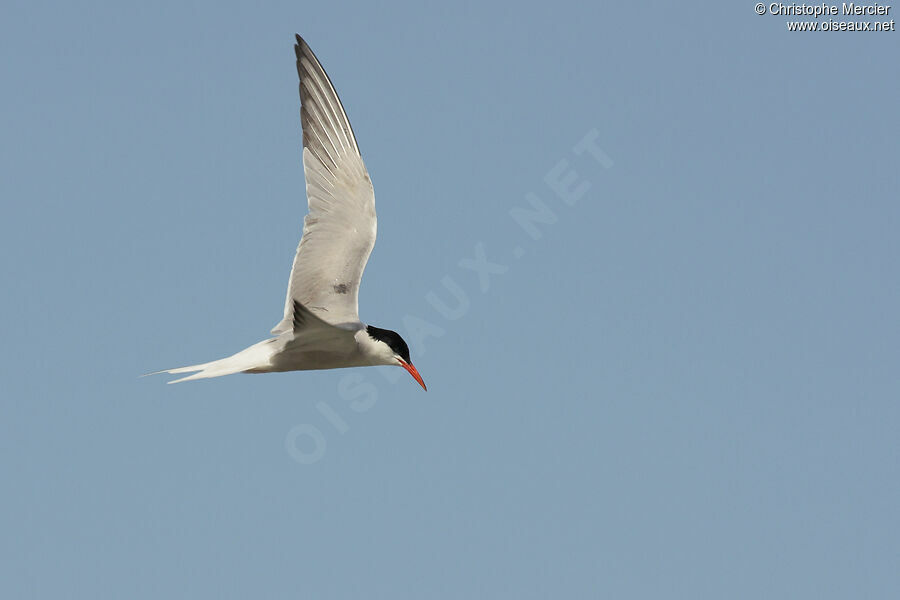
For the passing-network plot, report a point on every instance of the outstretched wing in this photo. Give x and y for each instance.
(339, 231)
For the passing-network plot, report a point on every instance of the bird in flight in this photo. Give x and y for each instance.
(321, 327)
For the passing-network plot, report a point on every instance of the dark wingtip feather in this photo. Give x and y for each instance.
(299, 47)
(298, 316)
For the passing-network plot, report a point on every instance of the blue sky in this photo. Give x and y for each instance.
(682, 383)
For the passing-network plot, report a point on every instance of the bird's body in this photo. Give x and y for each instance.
(320, 328)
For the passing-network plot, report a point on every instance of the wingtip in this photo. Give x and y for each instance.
(299, 48)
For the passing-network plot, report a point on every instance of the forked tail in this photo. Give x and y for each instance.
(255, 358)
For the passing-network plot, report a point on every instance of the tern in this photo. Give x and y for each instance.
(321, 327)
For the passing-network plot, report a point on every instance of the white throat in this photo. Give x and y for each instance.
(375, 352)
